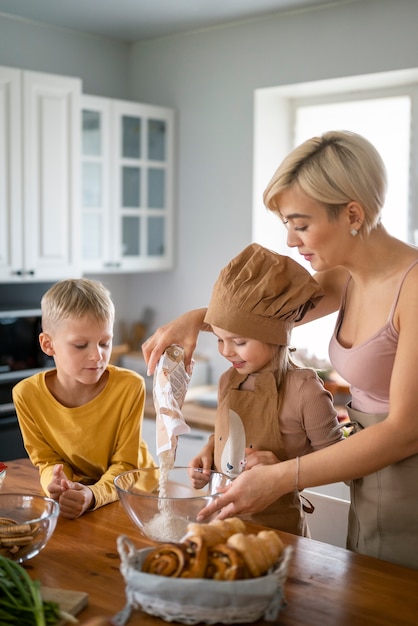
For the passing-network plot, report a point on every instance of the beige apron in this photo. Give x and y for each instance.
(251, 419)
(383, 517)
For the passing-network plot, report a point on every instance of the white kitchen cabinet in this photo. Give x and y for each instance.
(39, 176)
(127, 186)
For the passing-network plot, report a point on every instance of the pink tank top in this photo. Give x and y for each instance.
(368, 367)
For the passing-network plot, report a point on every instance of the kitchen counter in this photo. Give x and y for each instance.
(326, 586)
(195, 415)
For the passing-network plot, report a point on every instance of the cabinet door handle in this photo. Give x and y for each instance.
(23, 273)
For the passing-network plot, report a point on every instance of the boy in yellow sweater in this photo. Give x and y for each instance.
(81, 421)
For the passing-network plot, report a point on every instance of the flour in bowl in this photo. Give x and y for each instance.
(166, 525)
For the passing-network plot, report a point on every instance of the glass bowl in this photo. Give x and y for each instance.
(162, 504)
(26, 524)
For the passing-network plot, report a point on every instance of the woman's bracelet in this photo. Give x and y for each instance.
(297, 474)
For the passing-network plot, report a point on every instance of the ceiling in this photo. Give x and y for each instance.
(136, 20)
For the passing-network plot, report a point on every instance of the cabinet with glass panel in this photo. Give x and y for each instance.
(127, 186)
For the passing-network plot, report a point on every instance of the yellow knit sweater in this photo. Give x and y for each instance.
(95, 442)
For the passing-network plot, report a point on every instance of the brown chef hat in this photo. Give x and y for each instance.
(261, 294)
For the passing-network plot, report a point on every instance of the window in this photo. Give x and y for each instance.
(386, 123)
(380, 107)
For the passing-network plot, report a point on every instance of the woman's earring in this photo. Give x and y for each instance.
(354, 232)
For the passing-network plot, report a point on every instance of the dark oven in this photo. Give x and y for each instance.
(20, 356)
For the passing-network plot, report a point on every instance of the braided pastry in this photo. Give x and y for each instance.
(260, 552)
(216, 531)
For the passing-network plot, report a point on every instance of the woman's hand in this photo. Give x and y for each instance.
(183, 331)
(251, 492)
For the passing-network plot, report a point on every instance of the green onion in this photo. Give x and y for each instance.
(21, 602)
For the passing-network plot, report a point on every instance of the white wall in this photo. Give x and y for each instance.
(209, 77)
(103, 64)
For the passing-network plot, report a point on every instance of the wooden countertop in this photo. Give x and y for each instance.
(326, 586)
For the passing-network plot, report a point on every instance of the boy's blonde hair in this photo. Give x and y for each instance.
(76, 298)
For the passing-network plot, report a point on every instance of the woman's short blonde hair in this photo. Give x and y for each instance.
(334, 169)
(76, 298)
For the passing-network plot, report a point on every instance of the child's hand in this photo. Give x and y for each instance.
(75, 499)
(202, 462)
(56, 486)
(259, 457)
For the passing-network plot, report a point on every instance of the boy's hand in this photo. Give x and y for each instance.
(55, 487)
(75, 499)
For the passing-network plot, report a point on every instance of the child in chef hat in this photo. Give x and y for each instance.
(269, 409)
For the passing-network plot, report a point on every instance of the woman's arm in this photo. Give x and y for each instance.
(332, 283)
(184, 331)
(364, 453)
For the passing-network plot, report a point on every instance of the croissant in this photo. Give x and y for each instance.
(225, 563)
(216, 531)
(260, 552)
(272, 543)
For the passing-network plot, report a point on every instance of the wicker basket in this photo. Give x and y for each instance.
(192, 601)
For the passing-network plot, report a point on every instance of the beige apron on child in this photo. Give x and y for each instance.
(251, 419)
